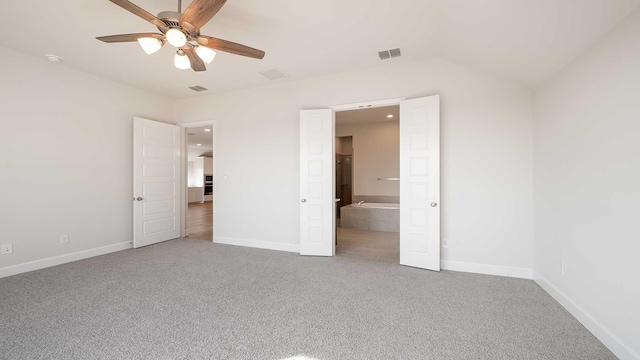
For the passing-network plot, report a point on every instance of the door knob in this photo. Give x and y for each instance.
(139, 198)
(434, 204)
(303, 200)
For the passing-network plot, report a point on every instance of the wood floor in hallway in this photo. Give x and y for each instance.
(200, 221)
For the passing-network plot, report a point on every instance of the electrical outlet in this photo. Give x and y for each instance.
(64, 239)
(445, 243)
(6, 249)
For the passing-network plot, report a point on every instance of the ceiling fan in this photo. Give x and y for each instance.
(182, 30)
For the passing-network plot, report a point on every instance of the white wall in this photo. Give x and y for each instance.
(195, 173)
(486, 155)
(66, 164)
(587, 188)
(376, 154)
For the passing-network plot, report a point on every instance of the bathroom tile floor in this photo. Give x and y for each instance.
(369, 245)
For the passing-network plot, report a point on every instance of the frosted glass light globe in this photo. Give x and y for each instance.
(205, 54)
(176, 37)
(181, 61)
(150, 45)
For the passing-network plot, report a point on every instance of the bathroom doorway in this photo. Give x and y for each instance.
(418, 181)
(367, 171)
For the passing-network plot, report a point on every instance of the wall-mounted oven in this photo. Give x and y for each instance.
(208, 185)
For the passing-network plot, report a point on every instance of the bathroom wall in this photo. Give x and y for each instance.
(344, 145)
(376, 154)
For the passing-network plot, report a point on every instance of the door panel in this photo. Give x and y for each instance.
(420, 183)
(156, 183)
(317, 204)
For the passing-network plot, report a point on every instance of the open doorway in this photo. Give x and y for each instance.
(200, 175)
(367, 170)
(418, 180)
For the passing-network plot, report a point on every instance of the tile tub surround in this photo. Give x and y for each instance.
(371, 216)
(377, 199)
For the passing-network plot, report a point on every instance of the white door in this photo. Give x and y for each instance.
(420, 183)
(317, 205)
(156, 182)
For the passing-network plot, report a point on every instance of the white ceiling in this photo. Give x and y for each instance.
(195, 136)
(526, 41)
(364, 116)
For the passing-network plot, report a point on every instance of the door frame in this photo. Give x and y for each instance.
(367, 104)
(184, 169)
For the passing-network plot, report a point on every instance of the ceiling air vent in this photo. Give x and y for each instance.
(274, 74)
(198, 88)
(388, 54)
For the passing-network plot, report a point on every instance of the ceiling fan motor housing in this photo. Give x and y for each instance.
(171, 18)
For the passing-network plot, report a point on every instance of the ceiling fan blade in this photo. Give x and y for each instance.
(230, 47)
(196, 63)
(129, 37)
(199, 13)
(134, 9)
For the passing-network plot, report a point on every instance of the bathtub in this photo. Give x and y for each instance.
(371, 216)
(378, 206)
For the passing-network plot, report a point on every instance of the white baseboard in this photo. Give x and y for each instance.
(62, 259)
(617, 347)
(260, 244)
(509, 271)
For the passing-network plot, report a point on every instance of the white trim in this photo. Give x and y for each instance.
(197, 124)
(499, 270)
(184, 176)
(63, 259)
(617, 347)
(258, 244)
(367, 104)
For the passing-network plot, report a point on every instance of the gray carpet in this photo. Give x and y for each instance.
(190, 299)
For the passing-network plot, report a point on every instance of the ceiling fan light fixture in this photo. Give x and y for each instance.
(181, 61)
(176, 37)
(150, 45)
(181, 29)
(207, 55)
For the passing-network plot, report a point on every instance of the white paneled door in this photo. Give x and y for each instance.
(156, 182)
(420, 183)
(317, 204)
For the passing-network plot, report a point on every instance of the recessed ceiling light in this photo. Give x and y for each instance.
(199, 144)
(207, 130)
(54, 58)
(390, 116)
